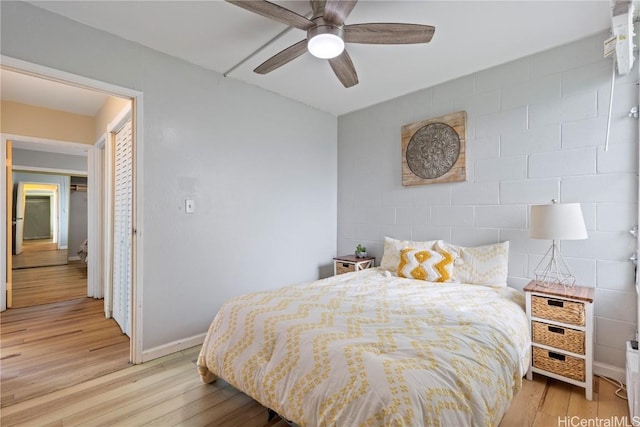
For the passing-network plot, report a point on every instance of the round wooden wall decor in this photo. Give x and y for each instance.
(433, 150)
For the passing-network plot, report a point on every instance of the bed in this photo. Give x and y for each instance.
(370, 348)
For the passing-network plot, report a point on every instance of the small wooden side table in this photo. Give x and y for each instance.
(348, 263)
(561, 322)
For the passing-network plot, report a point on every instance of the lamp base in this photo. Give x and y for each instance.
(546, 279)
(554, 269)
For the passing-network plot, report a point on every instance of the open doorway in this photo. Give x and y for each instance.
(49, 227)
(96, 246)
(51, 308)
(40, 220)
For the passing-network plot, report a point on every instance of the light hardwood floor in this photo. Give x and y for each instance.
(49, 347)
(168, 392)
(39, 253)
(44, 285)
(546, 402)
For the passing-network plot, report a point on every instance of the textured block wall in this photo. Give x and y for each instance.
(535, 131)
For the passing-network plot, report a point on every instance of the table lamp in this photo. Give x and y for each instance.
(557, 221)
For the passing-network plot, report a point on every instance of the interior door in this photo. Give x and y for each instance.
(20, 203)
(122, 227)
(10, 222)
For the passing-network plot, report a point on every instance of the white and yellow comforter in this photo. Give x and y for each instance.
(364, 349)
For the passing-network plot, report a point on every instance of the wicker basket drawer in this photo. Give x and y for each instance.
(344, 267)
(558, 310)
(561, 364)
(558, 337)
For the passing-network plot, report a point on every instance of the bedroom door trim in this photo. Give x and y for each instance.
(6, 288)
(41, 189)
(138, 179)
(96, 222)
(19, 218)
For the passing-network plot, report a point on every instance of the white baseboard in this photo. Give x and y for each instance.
(610, 371)
(62, 248)
(172, 347)
(74, 258)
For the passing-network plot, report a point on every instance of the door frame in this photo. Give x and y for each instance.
(136, 97)
(20, 207)
(6, 252)
(50, 190)
(34, 144)
(96, 220)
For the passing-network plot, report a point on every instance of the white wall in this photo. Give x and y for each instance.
(535, 131)
(43, 159)
(261, 169)
(37, 217)
(77, 221)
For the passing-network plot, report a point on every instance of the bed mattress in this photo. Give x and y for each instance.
(370, 349)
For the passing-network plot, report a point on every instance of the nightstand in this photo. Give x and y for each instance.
(561, 322)
(348, 263)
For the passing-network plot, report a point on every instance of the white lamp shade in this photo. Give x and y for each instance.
(558, 221)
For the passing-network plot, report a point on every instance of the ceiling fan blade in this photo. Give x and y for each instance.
(388, 33)
(344, 69)
(281, 58)
(337, 11)
(275, 12)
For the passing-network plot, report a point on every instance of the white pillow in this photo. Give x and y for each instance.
(392, 248)
(480, 265)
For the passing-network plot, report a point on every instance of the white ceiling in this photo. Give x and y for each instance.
(30, 90)
(470, 36)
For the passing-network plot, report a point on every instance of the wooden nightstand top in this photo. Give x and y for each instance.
(353, 258)
(576, 292)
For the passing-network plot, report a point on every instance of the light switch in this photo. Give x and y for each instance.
(189, 206)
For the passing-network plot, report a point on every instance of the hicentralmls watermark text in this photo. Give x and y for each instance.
(577, 421)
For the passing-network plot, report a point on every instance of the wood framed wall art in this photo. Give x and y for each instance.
(433, 150)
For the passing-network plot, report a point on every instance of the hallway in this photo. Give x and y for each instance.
(54, 336)
(48, 347)
(39, 253)
(44, 285)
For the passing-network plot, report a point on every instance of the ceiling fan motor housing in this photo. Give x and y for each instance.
(325, 40)
(326, 34)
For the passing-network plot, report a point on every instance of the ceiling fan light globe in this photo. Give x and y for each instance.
(325, 46)
(325, 40)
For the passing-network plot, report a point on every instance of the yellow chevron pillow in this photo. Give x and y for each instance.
(425, 264)
(392, 248)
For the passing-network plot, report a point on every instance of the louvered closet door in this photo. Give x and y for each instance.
(122, 228)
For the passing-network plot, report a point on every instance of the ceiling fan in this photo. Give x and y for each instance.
(327, 33)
